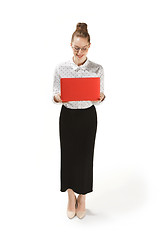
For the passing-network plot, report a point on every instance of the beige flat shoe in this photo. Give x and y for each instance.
(71, 214)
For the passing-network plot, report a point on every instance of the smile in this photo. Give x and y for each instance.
(80, 56)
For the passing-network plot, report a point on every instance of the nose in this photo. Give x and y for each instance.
(80, 50)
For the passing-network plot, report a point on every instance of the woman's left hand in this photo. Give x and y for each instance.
(102, 97)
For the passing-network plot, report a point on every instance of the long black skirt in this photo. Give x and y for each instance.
(77, 130)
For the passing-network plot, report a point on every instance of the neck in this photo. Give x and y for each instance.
(79, 62)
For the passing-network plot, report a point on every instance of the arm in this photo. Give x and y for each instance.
(56, 84)
(102, 96)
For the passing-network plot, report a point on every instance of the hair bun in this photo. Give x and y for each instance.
(81, 27)
(81, 31)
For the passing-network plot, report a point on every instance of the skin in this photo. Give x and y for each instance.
(79, 58)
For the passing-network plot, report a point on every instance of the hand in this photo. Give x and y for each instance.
(57, 98)
(102, 97)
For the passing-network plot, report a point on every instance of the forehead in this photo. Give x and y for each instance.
(79, 41)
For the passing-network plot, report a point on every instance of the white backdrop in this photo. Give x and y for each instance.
(35, 36)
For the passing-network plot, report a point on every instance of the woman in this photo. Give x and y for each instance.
(77, 124)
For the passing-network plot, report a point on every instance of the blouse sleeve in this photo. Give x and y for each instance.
(56, 83)
(101, 75)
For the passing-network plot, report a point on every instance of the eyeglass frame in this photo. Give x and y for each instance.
(77, 50)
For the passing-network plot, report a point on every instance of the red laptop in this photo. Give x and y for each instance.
(80, 89)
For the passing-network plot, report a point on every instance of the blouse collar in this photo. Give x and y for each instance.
(75, 66)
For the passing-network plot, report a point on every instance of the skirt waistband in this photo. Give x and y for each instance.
(78, 109)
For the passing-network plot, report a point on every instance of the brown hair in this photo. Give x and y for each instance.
(81, 31)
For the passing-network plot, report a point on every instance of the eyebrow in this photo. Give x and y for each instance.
(82, 47)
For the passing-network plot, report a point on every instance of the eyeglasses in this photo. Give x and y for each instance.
(78, 48)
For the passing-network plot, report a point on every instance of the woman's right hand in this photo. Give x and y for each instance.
(57, 98)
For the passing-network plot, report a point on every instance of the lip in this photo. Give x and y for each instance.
(80, 56)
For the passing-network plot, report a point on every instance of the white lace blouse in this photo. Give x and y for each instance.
(70, 69)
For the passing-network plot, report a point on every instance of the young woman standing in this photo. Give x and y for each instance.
(77, 124)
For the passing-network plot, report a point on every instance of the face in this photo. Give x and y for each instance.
(80, 48)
